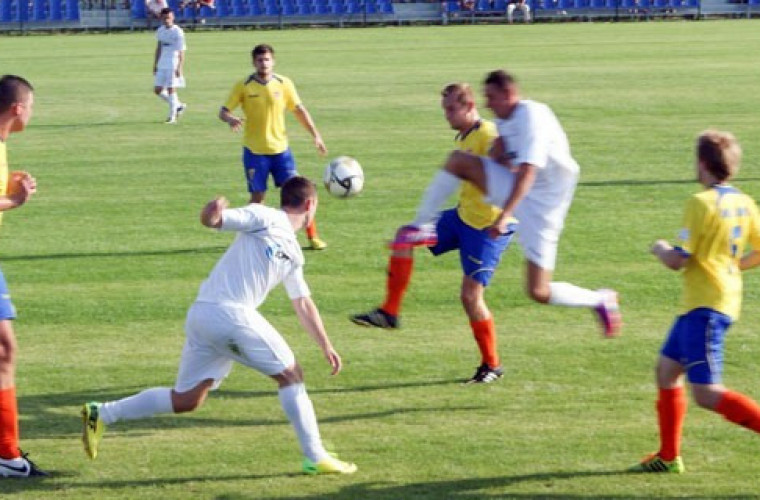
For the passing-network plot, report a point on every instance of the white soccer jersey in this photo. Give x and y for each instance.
(265, 252)
(172, 41)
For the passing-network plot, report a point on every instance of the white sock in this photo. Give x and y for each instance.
(173, 103)
(443, 185)
(163, 95)
(300, 412)
(144, 404)
(569, 295)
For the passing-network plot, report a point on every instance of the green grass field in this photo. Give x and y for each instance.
(104, 262)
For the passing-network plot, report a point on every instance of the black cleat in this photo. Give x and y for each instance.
(485, 375)
(20, 467)
(377, 318)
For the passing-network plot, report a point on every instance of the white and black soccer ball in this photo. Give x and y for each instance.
(344, 177)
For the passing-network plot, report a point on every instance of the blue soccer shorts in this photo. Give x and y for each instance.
(257, 167)
(479, 254)
(7, 311)
(696, 342)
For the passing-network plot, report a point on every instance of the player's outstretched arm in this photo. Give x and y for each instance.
(750, 260)
(308, 315)
(303, 116)
(211, 215)
(671, 257)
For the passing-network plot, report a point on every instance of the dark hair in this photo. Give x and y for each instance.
(262, 48)
(295, 191)
(166, 10)
(500, 78)
(720, 153)
(13, 89)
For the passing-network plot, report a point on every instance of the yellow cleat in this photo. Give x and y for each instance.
(653, 463)
(317, 244)
(92, 428)
(329, 465)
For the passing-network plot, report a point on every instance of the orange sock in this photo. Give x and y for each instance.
(739, 409)
(311, 229)
(671, 411)
(8, 423)
(485, 335)
(399, 275)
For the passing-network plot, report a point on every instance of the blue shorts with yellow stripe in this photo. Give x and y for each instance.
(696, 342)
(479, 254)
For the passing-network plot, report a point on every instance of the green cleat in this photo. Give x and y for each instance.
(317, 244)
(92, 428)
(329, 465)
(653, 463)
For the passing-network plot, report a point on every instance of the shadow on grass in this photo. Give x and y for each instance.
(461, 489)
(42, 419)
(136, 253)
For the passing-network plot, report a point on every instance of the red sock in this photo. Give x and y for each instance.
(311, 229)
(739, 409)
(485, 335)
(399, 275)
(8, 423)
(671, 411)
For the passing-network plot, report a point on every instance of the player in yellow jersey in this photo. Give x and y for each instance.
(264, 96)
(465, 228)
(719, 223)
(16, 102)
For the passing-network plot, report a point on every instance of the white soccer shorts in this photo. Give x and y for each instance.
(217, 335)
(541, 214)
(167, 78)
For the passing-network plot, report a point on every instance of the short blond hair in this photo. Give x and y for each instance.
(461, 91)
(720, 153)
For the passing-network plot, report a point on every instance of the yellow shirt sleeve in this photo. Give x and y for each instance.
(292, 100)
(235, 98)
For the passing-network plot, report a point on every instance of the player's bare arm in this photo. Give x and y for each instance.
(303, 116)
(498, 152)
(308, 315)
(180, 63)
(670, 256)
(750, 260)
(21, 186)
(235, 123)
(156, 56)
(524, 179)
(211, 215)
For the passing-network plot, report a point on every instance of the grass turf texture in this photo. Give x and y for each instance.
(105, 260)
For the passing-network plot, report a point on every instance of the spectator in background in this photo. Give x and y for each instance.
(153, 10)
(518, 5)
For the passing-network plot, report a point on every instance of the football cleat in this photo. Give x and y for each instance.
(412, 236)
(608, 313)
(653, 463)
(329, 465)
(181, 109)
(171, 120)
(376, 317)
(317, 244)
(20, 467)
(92, 428)
(485, 375)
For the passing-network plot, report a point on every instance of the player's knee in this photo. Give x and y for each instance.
(187, 402)
(290, 376)
(707, 398)
(540, 294)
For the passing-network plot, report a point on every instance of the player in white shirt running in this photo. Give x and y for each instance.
(531, 174)
(168, 64)
(223, 325)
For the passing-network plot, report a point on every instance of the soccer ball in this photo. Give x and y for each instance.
(344, 177)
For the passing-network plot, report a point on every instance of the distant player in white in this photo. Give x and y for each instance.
(168, 64)
(531, 174)
(223, 325)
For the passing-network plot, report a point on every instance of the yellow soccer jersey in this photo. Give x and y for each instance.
(719, 222)
(264, 107)
(472, 209)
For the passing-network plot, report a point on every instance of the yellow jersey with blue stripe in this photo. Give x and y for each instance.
(3, 173)
(472, 209)
(264, 106)
(719, 223)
